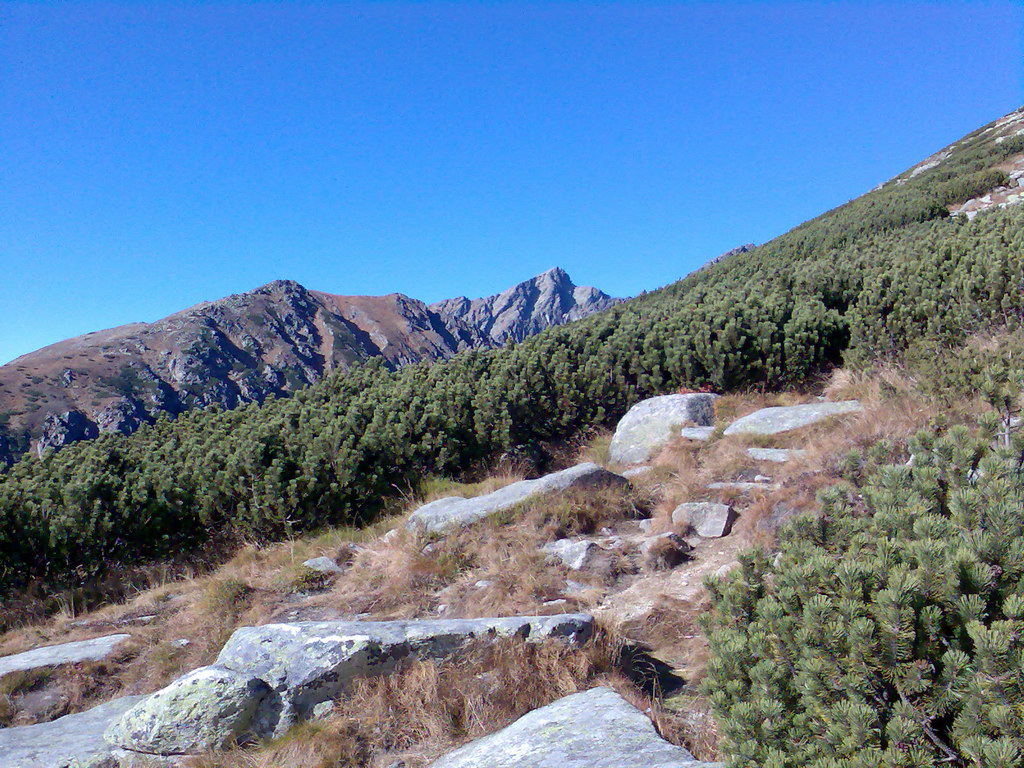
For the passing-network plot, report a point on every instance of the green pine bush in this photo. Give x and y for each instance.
(888, 631)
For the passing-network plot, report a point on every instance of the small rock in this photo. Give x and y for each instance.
(739, 486)
(701, 434)
(483, 583)
(578, 555)
(665, 551)
(629, 474)
(645, 525)
(726, 569)
(708, 520)
(762, 479)
(574, 587)
(322, 710)
(181, 642)
(559, 603)
(323, 565)
(776, 455)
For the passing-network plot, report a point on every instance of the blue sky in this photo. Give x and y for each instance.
(154, 155)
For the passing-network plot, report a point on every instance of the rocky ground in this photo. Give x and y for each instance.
(487, 617)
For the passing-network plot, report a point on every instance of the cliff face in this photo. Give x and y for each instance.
(244, 348)
(547, 300)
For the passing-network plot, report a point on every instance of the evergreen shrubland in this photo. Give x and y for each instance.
(868, 279)
(889, 628)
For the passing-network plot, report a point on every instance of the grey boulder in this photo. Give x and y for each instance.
(651, 424)
(72, 741)
(456, 512)
(708, 519)
(208, 708)
(700, 434)
(96, 649)
(576, 555)
(593, 729)
(771, 421)
(307, 663)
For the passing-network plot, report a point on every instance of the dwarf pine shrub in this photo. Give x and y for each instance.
(889, 629)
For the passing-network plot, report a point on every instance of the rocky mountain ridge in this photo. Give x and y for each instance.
(268, 342)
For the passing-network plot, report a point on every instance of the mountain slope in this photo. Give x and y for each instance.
(245, 348)
(886, 272)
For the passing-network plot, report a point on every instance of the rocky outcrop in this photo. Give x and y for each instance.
(96, 649)
(592, 729)
(547, 300)
(73, 741)
(245, 348)
(651, 424)
(771, 421)
(208, 708)
(308, 663)
(456, 512)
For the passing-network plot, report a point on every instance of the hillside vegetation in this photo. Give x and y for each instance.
(876, 277)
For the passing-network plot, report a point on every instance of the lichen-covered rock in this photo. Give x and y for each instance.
(96, 649)
(455, 512)
(72, 741)
(708, 520)
(307, 663)
(208, 708)
(771, 421)
(651, 424)
(592, 729)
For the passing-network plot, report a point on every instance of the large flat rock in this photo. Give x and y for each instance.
(455, 512)
(73, 741)
(592, 729)
(307, 663)
(771, 421)
(96, 649)
(651, 424)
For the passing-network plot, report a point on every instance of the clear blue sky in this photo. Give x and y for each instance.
(154, 155)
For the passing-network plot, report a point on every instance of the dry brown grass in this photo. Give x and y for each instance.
(429, 708)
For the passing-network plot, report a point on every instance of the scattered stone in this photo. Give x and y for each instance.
(557, 603)
(629, 474)
(645, 525)
(311, 662)
(740, 486)
(96, 649)
(72, 740)
(708, 519)
(181, 642)
(665, 551)
(323, 565)
(483, 583)
(777, 455)
(574, 587)
(578, 555)
(456, 512)
(771, 421)
(762, 479)
(592, 729)
(208, 708)
(726, 569)
(701, 434)
(651, 424)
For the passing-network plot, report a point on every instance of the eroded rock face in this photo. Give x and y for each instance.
(60, 429)
(456, 512)
(308, 663)
(771, 421)
(592, 729)
(96, 649)
(208, 708)
(651, 424)
(73, 741)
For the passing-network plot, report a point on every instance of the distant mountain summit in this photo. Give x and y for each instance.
(547, 300)
(246, 347)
